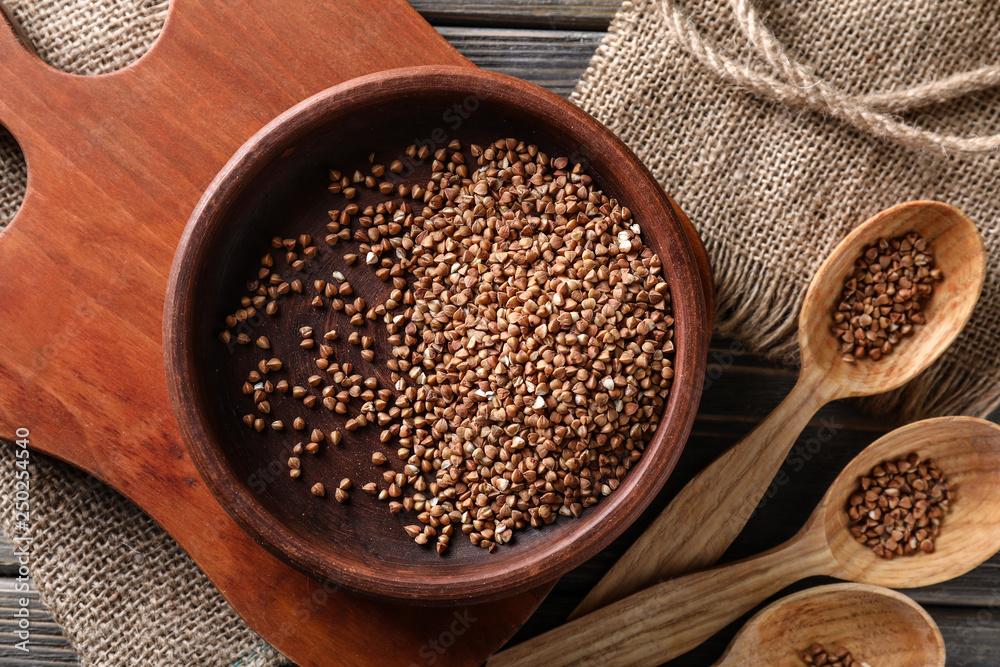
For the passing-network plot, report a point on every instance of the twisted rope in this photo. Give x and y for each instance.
(796, 86)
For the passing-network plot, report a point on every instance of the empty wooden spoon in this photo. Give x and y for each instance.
(711, 510)
(878, 626)
(669, 619)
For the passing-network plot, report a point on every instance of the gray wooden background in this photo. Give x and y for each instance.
(550, 43)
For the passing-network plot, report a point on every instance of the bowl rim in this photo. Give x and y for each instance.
(539, 566)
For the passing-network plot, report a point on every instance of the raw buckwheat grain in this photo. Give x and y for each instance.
(530, 340)
(884, 296)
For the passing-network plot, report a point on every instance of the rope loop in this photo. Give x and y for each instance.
(796, 86)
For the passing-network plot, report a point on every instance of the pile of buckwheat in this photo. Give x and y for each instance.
(883, 298)
(531, 340)
(820, 656)
(898, 509)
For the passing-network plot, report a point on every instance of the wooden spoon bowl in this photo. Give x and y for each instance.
(277, 185)
(960, 255)
(878, 626)
(968, 451)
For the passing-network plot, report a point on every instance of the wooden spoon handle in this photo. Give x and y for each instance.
(698, 526)
(669, 619)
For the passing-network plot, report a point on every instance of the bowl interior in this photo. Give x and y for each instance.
(277, 186)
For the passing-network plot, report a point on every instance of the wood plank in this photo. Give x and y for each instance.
(554, 59)
(745, 395)
(979, 588)
(47, 645)
(971, 636)
(8, 561)
(544, 14)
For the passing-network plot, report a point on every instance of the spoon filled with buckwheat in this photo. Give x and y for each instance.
(919, 506)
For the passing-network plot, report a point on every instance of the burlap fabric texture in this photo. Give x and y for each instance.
(779, 125)
(124, 592)
(771, 131)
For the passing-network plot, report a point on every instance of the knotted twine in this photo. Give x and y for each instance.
(798, 87)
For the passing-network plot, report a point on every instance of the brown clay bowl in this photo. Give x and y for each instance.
(277, 185)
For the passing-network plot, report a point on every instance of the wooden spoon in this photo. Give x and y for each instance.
(694, 531)
(878, 626)
(671, 618)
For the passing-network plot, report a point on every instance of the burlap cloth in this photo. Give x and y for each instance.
(773, 177)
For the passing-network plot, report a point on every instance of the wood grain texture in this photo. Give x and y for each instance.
(544, 14)
(972, 636)
(671, 618)
(959, 253)
(47, 646)
(277, 186)
(668, 619)
(8, 559)
(877, 625)
(705, 518)
(552, 59)
(143, 144)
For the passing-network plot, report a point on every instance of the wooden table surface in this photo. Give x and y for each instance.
(550, 43)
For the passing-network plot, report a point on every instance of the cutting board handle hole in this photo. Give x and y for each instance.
(13, 176)
(76, 41)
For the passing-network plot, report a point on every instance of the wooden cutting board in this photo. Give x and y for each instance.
(116, 164)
